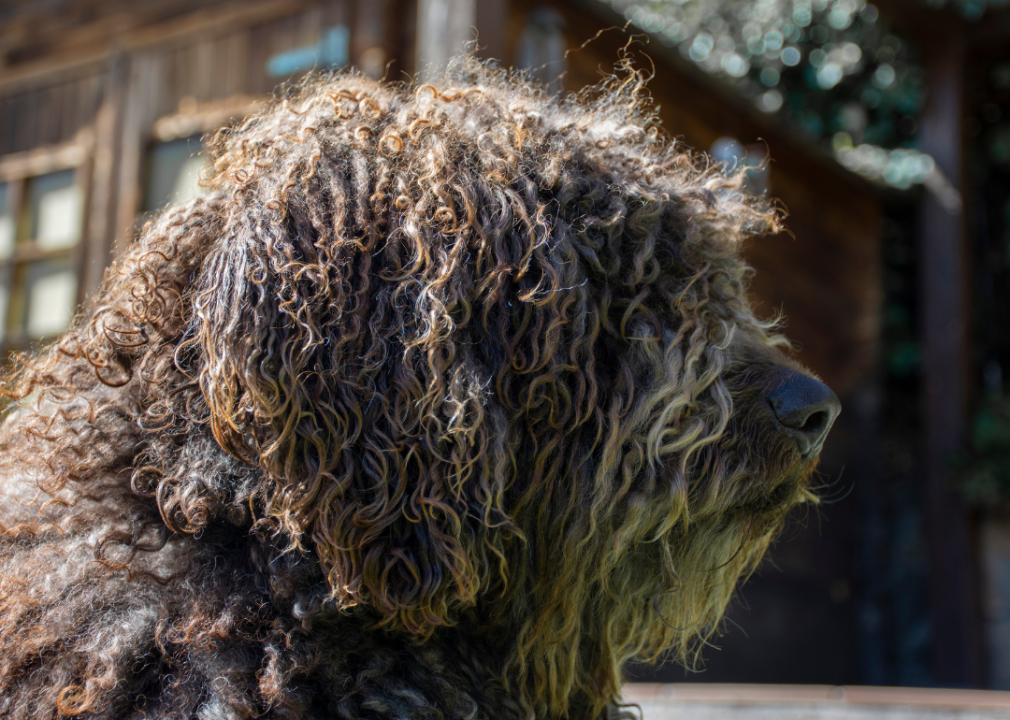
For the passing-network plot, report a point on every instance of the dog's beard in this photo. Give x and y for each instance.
(677, 585)
(740, 489)
(663, 594)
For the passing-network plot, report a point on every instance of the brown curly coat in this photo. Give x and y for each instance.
(441, 403)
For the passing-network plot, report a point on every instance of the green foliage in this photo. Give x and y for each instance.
(831, 69)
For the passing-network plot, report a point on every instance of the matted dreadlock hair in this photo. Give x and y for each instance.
(444, 401)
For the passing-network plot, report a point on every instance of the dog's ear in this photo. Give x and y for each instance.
(331, 369)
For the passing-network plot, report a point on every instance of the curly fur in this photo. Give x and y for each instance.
(444, 402)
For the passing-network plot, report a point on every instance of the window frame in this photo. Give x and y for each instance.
(17, 171)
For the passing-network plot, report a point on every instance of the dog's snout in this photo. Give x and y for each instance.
(805, 408)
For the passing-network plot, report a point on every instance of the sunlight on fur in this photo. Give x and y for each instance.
(444, 402)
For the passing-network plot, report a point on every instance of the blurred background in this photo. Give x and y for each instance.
(887, 126)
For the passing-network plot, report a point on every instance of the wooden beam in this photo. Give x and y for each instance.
(956, 639)
(47, 159)
(82, 56)
(206, 117)
(142, 82)
(101, 229)
(401, 39)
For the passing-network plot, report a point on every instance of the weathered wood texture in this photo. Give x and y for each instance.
(201, 76)
(35, 41)
(51, 113)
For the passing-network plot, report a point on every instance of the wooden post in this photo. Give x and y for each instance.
(102, 228)
(957, 647)
(443, 27)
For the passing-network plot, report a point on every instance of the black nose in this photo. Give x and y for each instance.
(805, 408)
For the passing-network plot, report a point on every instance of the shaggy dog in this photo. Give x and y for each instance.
(442, 403)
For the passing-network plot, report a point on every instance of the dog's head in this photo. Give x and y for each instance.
(491, 357)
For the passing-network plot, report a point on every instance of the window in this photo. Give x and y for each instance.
(175, 159)
(41, 223)
(174, 173)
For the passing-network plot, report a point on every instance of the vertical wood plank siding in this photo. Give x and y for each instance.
(51, 114)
